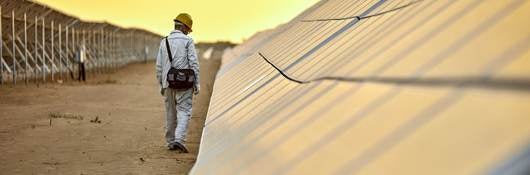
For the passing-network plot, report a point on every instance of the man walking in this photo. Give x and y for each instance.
(80, 56)
(178, 103)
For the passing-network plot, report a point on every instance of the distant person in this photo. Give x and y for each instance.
(80, 57)
(146, 53)
(178, 77)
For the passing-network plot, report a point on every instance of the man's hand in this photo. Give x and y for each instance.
(162, 90)
(196, 90)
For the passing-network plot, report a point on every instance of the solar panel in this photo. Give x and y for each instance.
(416, 87)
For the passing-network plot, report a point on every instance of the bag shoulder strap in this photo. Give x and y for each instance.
(171, 56)
(169, 51)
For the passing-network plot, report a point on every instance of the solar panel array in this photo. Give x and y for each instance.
(39, 44)
(419, 87)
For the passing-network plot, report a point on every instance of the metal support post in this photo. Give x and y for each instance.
(53, 51)
(35, 49)
(26, 67)
(74, 51)
(61, 70)
(67, 54)
(104, 51)
(43, 50)
(13, 44)
(1, 52)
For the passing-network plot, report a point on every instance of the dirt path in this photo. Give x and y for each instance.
(111, 125)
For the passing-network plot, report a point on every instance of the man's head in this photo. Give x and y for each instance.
(183, 22)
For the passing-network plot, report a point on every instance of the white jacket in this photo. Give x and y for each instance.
(184, 57)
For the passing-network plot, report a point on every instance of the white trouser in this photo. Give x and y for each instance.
(178, 113)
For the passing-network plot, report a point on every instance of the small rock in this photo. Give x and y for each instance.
(96, 120)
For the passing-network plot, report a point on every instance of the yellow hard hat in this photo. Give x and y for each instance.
(185, 19)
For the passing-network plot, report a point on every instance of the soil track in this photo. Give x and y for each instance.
(114, 124)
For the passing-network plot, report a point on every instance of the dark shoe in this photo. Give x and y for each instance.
(172, 147)
(181, 146)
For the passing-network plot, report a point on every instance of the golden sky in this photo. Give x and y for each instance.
(232, 20)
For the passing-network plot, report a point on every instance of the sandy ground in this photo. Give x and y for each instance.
(114, 124)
